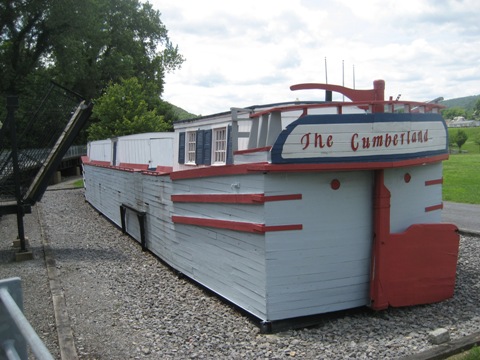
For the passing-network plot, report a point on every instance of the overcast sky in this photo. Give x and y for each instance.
(241, 53)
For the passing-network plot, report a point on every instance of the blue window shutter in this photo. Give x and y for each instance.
(181, 148)
(207, 147)
(199, 148)
(229, 145)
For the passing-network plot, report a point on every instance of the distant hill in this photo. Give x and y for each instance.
(467, 102)
(182, 114)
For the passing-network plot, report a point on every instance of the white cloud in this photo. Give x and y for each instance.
(250, 52)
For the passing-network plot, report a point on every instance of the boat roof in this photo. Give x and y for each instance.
(251, 108)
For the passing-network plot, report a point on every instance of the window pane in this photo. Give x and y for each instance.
(191, 146)
(220, 145)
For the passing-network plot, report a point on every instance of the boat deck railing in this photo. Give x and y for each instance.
(266, 125)
(391, 106)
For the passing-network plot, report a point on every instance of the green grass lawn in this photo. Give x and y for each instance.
(461, 173)
(472, 354)
(78, 183)
(469, 147)
(461, 178)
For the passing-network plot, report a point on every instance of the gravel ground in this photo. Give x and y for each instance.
(125, 304)
(37, 300)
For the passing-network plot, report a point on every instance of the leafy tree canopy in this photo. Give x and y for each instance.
(124, 110)
(453, 112)
(476, 110)
(460, 138)
(83, 45)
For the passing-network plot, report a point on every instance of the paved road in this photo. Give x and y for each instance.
(465, 216)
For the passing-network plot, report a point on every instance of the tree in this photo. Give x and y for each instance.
(112, 40)
(84, 45)
(24, 38)
(476, 110)
(453, 112)
(124, 110)
(460, 138)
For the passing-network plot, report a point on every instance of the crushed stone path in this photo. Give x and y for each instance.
(123, 303)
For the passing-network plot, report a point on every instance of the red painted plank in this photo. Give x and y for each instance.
(219, 198)
(434, 182)
(155, 173)
(249, 151)
(101, 163)
(134, 166)
(233, 198)
(282, 227)
(164, 169)
(345, 166)
(266, 167)
(233, 225)
(283, 197)
(434, 207)
(418, 266)
(210, 171)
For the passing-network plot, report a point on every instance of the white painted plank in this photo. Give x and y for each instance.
(409, 200)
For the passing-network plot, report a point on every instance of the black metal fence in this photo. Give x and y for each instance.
(37, 134)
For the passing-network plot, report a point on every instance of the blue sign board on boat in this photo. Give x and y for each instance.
(361, 138)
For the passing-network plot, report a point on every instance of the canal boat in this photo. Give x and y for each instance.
(293, 209)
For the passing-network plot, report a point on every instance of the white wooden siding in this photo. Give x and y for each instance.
(277, 275)
(409, 200)
(323, 267)
(100, 150)
(228, 262)
(234, 184)
(161, 152)
(152, 149)
(134, 151)
(326, 266)
(259, 156)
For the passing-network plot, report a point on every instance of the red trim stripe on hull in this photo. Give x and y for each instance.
(434, 207)
(434, 182)
(233, 198)
(234, 225)
(267, 167)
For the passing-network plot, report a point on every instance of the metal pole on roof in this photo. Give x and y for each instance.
(354, 76)
(326, 72)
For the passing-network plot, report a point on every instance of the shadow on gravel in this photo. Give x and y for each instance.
(7, 256)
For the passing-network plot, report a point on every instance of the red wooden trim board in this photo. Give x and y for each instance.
(234, 225)
(233, 198)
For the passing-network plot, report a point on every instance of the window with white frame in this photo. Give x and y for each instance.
(191, 146)
(220, 145)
